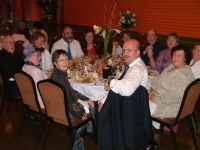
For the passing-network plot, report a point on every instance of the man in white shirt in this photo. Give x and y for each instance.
(63, 43)
(135, 76)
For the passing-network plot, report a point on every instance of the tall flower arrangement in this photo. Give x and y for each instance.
(106, 32)
(127, 19)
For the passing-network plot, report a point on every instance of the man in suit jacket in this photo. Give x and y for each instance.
(10, 62)
(133, 77)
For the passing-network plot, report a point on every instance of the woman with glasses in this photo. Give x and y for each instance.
(59, 74)
(32, 57)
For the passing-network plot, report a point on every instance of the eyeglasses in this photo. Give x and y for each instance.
(69, 33)
(37, 55)
(9, 42)
(128, 50)
(63, 60)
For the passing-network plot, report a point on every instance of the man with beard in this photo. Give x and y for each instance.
(124, 118)
(69, 44)
(153, 48)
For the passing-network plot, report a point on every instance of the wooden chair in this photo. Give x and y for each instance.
(55, 100)
(6, 99)
(189, 100)
(28, 92)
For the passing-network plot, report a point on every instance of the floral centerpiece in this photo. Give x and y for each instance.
(127, 19)
(106, 34)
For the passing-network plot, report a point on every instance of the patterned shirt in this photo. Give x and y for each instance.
(75, 109)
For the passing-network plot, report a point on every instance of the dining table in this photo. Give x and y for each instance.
(95, 90)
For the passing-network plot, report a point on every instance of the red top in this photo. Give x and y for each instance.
(91, 51)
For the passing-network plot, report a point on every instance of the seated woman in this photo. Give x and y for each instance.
(32, 59)
(38, 39)
(164, 59)
(167, 91)
(38, 27)
(61, 63)
(195, 62)
(90, 48)
(117, 49)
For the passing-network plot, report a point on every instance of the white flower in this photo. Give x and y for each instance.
(103, 33)
(128, 12)
(133, 15)
(127, 19)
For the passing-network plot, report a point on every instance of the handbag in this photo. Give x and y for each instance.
(78, 142)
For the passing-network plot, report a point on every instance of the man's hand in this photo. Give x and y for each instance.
(149, 50)
(152, 95)
(91, 103)
(115, 44)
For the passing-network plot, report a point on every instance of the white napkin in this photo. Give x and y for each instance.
(85, 105)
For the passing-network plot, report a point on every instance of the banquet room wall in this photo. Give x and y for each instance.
(166, 16)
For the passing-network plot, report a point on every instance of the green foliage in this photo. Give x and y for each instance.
(46, 25)
(49, 7)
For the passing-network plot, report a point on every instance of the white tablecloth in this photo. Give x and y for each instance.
(94, 92)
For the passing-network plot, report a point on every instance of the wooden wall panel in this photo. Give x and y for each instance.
(32, 11)
(165, 16)
(17, 13)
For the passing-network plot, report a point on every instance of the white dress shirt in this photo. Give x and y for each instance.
(136, 75)
(75, 47)
(46, 62)
(195, 69)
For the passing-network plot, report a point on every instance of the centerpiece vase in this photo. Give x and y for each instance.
(105, 42)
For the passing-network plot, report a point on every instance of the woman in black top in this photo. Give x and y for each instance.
(61, 62)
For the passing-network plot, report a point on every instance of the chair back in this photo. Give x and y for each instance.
(190, 97)
(1, 87)
(55, 100)
(27, 89)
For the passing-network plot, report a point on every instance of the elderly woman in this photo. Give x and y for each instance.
(164, 59)
(195, 62)
(117, 49)
(38, 27)
(90, 48)
(32, 59)
(61, 63)
(38, 39)
(167, 92)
